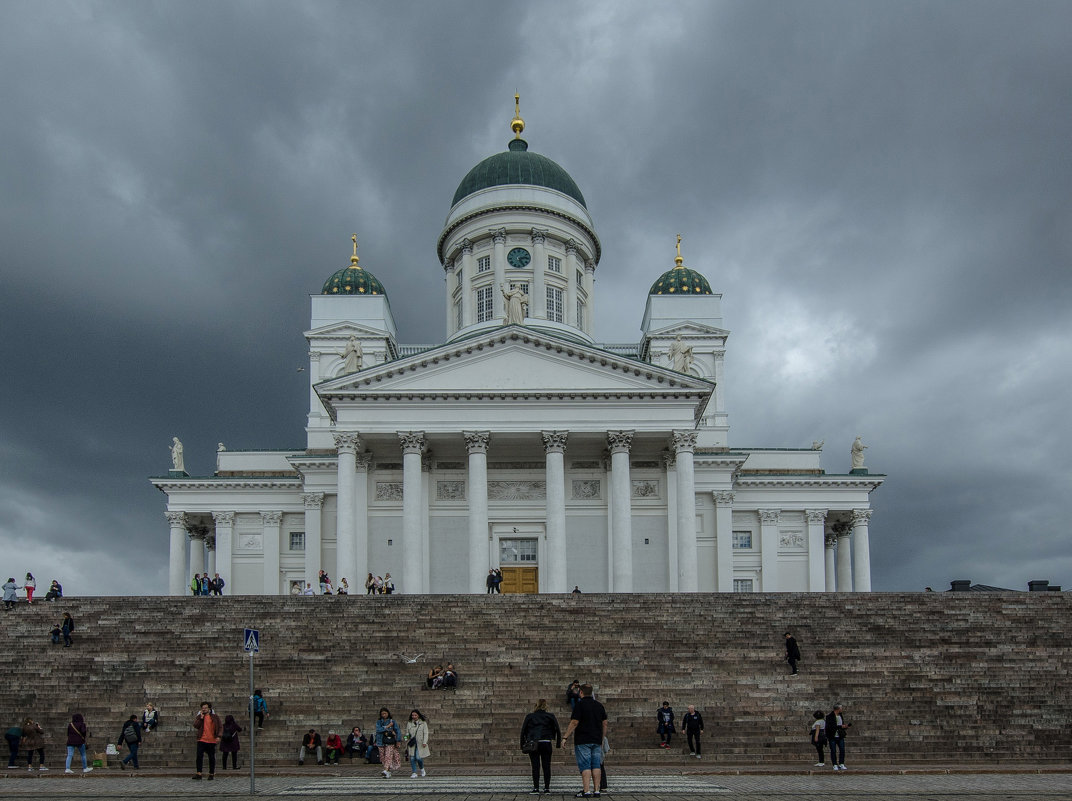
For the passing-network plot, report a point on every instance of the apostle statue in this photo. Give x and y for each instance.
(858, 454)
(352, 356)
(176, 455)
(680, 355)
(516, 301)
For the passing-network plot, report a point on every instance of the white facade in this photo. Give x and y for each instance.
(526, 446)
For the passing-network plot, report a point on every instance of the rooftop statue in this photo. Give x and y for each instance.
(176, 455)
(516, 301)
(352, 356)
(858, 454)
(680, 355)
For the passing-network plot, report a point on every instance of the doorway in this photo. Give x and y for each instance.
(518, 561)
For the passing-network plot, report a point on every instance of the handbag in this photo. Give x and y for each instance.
(529, 746)
(388, 737)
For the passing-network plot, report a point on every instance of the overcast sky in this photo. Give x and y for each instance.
(880, 191)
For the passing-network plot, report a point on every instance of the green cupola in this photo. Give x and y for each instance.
(353, 280)
(680, 280)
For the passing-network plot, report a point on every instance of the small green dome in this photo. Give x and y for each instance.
(681, 281)
(518, 166)
(352, 280)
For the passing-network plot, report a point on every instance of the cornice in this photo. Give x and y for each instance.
(869, 483)
(473, 215)
(213, 484)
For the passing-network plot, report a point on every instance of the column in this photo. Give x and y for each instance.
(210, 554)
(498, 264)
(554, 446)
(425, 505)
(314, 504)
(590, 293)
(452, 318)
(347, 445)
(724, 539)
(224, 545)
(684, 443)
(768, 549)
(816, 551)
(468, 271)
(271, 522)
(670, 464)
(831, 575)
(412, 447)
(621, 498)
(197, 552)
(476, 443)
(360, 568)
(178, 580)
(537, 292)
(844, 564)
(861, 550)
(570, 316)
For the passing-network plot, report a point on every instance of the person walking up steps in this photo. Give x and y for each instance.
(792, 653)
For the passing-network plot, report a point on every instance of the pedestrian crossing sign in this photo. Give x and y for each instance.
(252, 639)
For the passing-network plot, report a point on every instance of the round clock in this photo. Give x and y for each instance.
(518, 258)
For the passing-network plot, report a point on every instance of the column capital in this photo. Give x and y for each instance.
(176, 518)
(861, 516)
(347, 441)
(210, 543)
(669, 459)
(476, 441)
(815, 516)
(554, 441)
(314, 355)
(684, 441)
(448, 266)
(412, 441)
(829, 539)
(362, 461)
(223, 518)
(620, 441)
(466, 246)
(271, 518)
(313, 500)
(571, 247)
(498, 236)
(590, 266)
(538, 236)
(770, 517)
(723, 498)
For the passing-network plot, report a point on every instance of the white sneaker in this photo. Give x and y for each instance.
(836, 767)
(820, 764)
(692, 753)
(697, 756)
(384, 773)
(87, 770)
(387, 774)
(842, 767)
(422, 772)
(413, 775)
(71, 772)
(29, 768)
(42, 767)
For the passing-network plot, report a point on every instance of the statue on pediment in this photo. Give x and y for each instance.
(680, 355)
(176, 455)
(352, 356)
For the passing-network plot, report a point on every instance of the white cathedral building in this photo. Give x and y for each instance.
(520, 443)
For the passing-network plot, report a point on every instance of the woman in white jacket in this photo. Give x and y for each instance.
(417, 742)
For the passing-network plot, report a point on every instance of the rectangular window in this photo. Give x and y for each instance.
(554, 304)
(297, 540)
(580, 278)
(580, 313)
(742, 585)
(517, 552)
(483, 264)
(458, 316)
(742, 540)
(484, 307)
(554, 264)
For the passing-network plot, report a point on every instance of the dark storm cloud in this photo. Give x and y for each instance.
(878, 190)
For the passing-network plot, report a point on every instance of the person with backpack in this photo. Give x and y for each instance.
(229, 743)
(131, 735)
(260, 708)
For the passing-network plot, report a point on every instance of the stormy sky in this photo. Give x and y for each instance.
(880, 191)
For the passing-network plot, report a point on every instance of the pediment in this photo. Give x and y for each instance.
(688, 329)
(343, 330)
(516, 361)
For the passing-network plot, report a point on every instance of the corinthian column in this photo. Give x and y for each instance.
(197, 550)
(314, 505)
(861, 550)
(224, 545)
(347, 444)
(178, 581)
(413, 443)
(452, 318)
(816, 563)
(570, 316)
(498, 263)
(622, 512)
(476, 443)
(590, 293)
(554, 445)
(684, 443)
(724, 539)
(468, 270)
(538, 295)
(844, 563)
(768, 548)
(270, 525)
(830, 570)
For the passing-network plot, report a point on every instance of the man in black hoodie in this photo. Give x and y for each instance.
(792, 652)
(692, 728)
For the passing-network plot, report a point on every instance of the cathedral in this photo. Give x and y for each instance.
(520, 443)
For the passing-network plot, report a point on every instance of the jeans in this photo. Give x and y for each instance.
(415, 762)
(837, 745)
(132, 757)
(202, 749)
(319, 753)
(693, 738)
(589, 756)
(820, 747)
(70, 753)
(541, 757)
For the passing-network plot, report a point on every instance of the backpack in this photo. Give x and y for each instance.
(130, 734)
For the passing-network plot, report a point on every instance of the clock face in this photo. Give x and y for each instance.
(518, 258)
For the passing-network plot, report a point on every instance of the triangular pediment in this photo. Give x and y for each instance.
(343, 330)
(688, 329)
(516, 361)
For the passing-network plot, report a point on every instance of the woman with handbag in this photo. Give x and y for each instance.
(387, 736)
(77, 734)
(417, 742)
(537, 732)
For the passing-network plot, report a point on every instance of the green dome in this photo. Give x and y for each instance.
(352, 280)
(518, 166)
(681, 281)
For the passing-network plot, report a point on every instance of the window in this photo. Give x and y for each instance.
(580, 278)
(742, 540)
(483, 264)
(458, 316)
(515, 552)
(484, 307)
(297, 540)
(554, 304)
(580, 313)
(742, 585)
(554, 264)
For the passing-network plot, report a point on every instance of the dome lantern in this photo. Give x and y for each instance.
(680, 280)
(352, 279)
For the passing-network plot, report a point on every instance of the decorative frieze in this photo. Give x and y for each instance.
(645, 488)
(587, 489)
(450, 490)
(389, 491)
(791, 539)
(517, 490)
(450, 465)
(251, 542)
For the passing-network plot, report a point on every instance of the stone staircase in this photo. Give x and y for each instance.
(926, 678)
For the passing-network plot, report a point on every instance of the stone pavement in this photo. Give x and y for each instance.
(490, 787)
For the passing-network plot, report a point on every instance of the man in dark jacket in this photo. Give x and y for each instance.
(792, 652)
(692, 728)
(835, 735)
(209, 729)
(311, 741)
(665, 718)
(131, 735)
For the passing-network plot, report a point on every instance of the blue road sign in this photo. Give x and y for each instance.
(252, 639)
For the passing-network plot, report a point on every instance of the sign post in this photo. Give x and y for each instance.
(252, 640)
